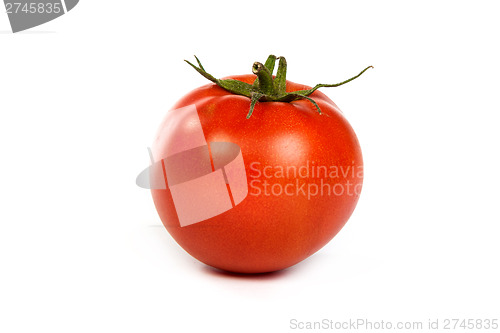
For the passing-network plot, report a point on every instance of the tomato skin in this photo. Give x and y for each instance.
(266, 233)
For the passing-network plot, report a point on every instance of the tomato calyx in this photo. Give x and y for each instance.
(267, 88)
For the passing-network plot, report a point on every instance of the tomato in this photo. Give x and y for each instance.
(303, 171)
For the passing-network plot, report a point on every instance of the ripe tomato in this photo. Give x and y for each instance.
(304, 173)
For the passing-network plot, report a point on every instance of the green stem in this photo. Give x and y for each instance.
(265, 85)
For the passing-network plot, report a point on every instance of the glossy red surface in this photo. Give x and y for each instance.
(270, 232)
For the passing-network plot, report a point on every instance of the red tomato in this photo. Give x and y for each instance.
(304, 172)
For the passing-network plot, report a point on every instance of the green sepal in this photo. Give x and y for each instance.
(265, 88)
(280, 79)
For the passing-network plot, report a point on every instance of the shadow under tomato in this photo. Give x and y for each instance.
(296, 270)
(243, 276)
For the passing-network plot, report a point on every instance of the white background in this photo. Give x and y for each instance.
(82, 248)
